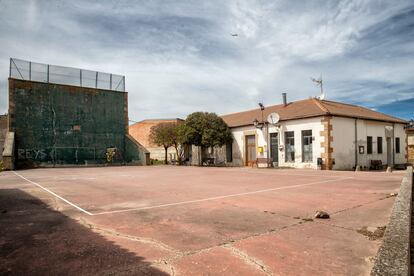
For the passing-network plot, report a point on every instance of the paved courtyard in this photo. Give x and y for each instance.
(164, 220)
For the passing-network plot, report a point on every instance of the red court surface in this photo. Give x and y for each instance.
(198, 221)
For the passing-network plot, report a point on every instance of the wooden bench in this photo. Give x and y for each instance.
(376, 165)
(266, 161)
(400, 166)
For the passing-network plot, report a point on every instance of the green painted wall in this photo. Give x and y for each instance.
(60, 124)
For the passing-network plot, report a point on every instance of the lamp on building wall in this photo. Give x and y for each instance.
(260, 126)
(257, 124)
(410, 124)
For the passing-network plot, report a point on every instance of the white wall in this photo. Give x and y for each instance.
(159, 153)
(399, 131)
(297, 126)
(343, 144)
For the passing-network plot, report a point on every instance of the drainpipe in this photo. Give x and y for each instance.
(356, 143)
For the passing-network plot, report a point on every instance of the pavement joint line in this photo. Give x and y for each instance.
(115, 233)
(233, 241)
(220, 197)
(177, 254)
(56, 195)
(336, 226)
(347, 209)
(360, 205)
(258, 264)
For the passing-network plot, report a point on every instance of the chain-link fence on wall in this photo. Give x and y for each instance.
(33, 71)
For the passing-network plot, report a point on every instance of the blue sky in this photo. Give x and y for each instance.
(179, 56)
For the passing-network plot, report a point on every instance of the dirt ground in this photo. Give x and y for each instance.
(164, 220)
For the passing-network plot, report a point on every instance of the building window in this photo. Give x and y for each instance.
(307, 146)
(379, 144)
(229, 152)
(369, 144)
(397, 144)
(290, 146)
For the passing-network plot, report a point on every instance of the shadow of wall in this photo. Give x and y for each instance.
(36, 240)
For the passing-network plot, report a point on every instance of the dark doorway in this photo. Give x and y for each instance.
(274, 147)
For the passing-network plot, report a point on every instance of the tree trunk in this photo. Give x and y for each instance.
(178, 155)
(166, 155)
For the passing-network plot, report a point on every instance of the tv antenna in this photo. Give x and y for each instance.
(319, 82)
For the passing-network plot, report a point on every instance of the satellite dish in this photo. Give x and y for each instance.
(273, 118)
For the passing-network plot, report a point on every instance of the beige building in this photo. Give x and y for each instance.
(410, 143)
(141, 131)
(315, 133)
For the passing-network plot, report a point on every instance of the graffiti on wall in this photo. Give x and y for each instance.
(55, 154)
(33, 154)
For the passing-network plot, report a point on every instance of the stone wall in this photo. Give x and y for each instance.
(393, 257)
(141, 131)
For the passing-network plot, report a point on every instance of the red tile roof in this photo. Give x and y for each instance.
(307, 109)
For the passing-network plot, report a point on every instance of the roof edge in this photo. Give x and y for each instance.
(333, 115)
(359, 106)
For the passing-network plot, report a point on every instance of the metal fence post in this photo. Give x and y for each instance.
(80, 77)
(47, 73)
(123, 82)
(110, 82)
(10, 68)
(96, 80)
(30, 70)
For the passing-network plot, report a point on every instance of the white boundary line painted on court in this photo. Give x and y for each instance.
(219, 197)
(56, 195)
(178, 203)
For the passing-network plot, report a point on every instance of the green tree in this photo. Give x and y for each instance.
(177, 140)
(206, 130)
(169, 135)
(162, 135)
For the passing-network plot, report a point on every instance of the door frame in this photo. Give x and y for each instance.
(270, 146)
(249, 133)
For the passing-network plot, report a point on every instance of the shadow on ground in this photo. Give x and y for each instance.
(36, 240)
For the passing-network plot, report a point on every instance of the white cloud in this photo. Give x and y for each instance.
(179, 57)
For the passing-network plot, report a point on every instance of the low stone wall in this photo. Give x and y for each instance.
(393, 257)
(8, 151)
(135, 153)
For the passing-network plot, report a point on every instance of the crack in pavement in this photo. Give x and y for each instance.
(177, 254)
(348, 209)
(258, 264)
(163, 263)
(360, 205)
(101, 230)
(166, 263)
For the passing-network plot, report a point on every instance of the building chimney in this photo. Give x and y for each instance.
(284, 99)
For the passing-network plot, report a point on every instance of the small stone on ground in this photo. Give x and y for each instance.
(321, 215)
